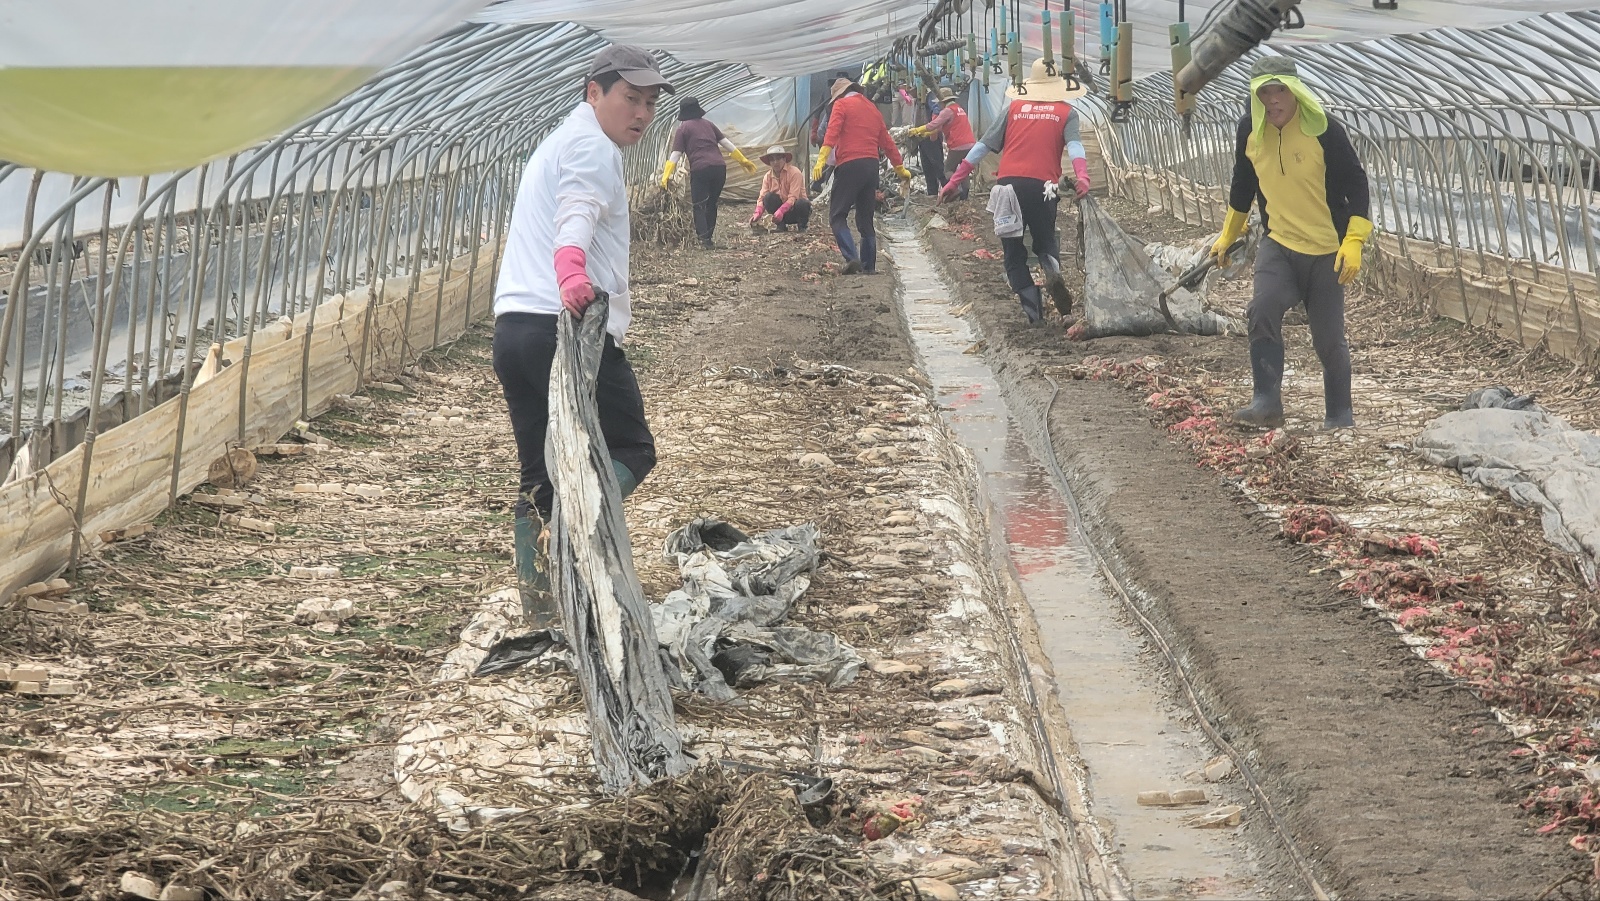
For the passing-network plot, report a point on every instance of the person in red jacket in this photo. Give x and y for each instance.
(1038, 125)
(953, 124)
(856, 136)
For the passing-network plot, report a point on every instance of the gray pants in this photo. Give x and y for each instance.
(1286, 278)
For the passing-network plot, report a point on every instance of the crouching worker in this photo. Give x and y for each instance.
(1297, 162)
(1039, 123)
(783, 192)
(568, 238)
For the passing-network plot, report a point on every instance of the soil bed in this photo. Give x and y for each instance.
(1395, 776)
(216, 743)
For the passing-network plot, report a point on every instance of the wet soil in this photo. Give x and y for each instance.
(1393, 777)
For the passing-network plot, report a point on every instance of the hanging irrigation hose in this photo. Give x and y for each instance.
(1301, 864)
(1222, 41)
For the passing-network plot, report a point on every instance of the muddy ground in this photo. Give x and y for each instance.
(1396, 778)
(218, 743)
(215, 742)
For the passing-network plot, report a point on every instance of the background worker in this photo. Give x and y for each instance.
(1297, 162)
(783, 192)
(930, 144)
(568, 237)
(952, 124)
(856, 136)
(1039, 123)
(700, 144)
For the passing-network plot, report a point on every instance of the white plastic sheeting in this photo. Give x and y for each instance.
(108, 87)
(772, 37)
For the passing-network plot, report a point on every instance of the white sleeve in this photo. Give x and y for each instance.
(583, 176)
(728, 145)
(678, 157)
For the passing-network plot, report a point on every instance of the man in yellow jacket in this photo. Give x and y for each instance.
(1297, 162)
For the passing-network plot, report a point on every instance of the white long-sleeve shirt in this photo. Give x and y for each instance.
(572, 193)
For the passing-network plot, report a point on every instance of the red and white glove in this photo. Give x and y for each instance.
(573, 278)
(782, 211)
(1080, 171)
(953, 186)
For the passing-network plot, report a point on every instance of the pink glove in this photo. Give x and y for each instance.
(571, 274)
(954, 184)
(1080, 170)
(756, 216)
(906, 96)
(782, 211)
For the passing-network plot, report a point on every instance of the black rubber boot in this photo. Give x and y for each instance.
(1266, 406)
(533, 578)
(1032, 304)
(1340, 413)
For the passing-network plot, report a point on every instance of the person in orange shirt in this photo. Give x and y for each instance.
(952, 123)
(856, 137)
(1038, 125)
(783, 192)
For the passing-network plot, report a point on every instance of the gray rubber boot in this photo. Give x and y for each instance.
(1340, 412)
(1057, 286)
(539, 606)
(1266, 406)
(1032, 304)
(625, 477)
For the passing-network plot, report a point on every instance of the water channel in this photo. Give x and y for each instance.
(1132, 734)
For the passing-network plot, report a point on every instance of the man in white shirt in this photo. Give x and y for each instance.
(569, 238)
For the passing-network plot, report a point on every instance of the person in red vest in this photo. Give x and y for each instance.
(953, 124)
(856, 136)
(1038, 125)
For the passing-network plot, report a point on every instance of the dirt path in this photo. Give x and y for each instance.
(1397, 779)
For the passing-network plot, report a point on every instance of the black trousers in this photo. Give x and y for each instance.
(931, 152)
(524, 348)
(705, 189)
(855, 187)
(1039, 219)
(799, 214)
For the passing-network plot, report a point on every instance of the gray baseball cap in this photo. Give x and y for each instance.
(1274, 65)
(635, 64)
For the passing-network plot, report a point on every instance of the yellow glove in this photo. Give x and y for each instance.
(903, 172)
(822, 162)
(739, 157)
(921, 131)
(1348, 261)
(1232, 227)
(666, 174)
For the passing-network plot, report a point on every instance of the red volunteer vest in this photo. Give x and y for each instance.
(958, 131)
(1033, 140)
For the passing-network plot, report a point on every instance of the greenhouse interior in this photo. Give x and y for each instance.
(601, 450)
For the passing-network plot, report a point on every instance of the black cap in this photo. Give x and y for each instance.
(635, 64)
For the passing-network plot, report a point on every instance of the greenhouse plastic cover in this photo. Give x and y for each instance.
(794, 37)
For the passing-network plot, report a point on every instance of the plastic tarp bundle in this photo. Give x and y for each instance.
(1536, 458)
(725, 624)
(109, 87)
(1122, 286)
(609, 628)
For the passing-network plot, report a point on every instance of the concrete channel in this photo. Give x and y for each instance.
(1132, 733)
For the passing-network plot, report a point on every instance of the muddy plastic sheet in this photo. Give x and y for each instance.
(609, 627)
(1536, 458)
(725, 624)
(1122, 285)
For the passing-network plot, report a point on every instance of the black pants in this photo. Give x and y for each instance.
(855, 187)
(1039, 219)
(524, 347)
(705, 189)
(931, 152)
(799, 214)
(952, 162)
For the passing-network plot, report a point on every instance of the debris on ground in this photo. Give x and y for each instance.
(724, 628)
